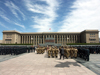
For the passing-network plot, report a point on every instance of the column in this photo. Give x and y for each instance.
(66, 39)
(74, 38)
(43, 39)
(34, 40)
(46, 36)
(69, 38)
(22, 40)
(31, 39)
(62, 39)
(78, 38)
(57, 39)
(54, 38)
(38, 39)
(27, 39)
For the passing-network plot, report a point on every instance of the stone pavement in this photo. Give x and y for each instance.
(39, 64)
(93, 64)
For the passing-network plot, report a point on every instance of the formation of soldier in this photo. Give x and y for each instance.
(53, 52)
(15, 50)
(70, 52)
(73, 52)
(41, 50)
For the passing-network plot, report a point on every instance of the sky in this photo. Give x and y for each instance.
(41, 15)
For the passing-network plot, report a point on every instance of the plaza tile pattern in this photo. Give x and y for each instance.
(39, 64)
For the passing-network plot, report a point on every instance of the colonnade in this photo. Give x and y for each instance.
(40, 39)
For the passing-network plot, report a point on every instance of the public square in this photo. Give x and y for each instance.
(40, 64)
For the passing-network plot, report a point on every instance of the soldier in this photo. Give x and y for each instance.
(87, 53)
(75, 52)
(49, 52)
(68, 52)
(56, 52)
(71, 52)
(53, 52)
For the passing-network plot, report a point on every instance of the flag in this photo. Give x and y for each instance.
(49, 28)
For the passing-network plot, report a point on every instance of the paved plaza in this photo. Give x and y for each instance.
(39, 64)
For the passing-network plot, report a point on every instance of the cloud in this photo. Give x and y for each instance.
(20, 25)
(46, 13)
(3, 25)
(14, 9)
(85, 15)
(2, 15)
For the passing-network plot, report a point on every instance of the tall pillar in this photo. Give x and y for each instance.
(22, 40)
(34, 40)
(54, 38)
(29, 39)
(38, 39)
(43, 39)
(26, 39)
(57, 39)
(78, 38)
(46, 36)
(69, 38)
(62, 39)
(74, 38)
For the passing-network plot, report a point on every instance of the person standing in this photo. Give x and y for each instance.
(62, 52)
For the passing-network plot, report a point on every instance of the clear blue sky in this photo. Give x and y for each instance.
(40, 15)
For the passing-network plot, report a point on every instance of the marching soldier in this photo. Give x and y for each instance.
(75, 52)
(71, 52)
(49, 52)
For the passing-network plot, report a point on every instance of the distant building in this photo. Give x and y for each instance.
(99, 40)
(86, 36)
(0, 41)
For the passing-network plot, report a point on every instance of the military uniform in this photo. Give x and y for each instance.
(75, 52)
(71, 52)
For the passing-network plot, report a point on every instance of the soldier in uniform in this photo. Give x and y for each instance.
(75, 52)
(49, 52)
(68, 52)
(87, 53)
(71, 52)
(56, 52)
(53, 52)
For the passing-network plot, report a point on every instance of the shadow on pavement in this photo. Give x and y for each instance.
(66, 64)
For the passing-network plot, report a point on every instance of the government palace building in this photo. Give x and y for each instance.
(35, 38)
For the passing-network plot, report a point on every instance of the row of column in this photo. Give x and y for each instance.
(59, 39)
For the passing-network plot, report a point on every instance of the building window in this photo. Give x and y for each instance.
(8, 35)
(92, 39)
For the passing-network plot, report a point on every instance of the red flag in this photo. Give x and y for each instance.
(49, 28)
